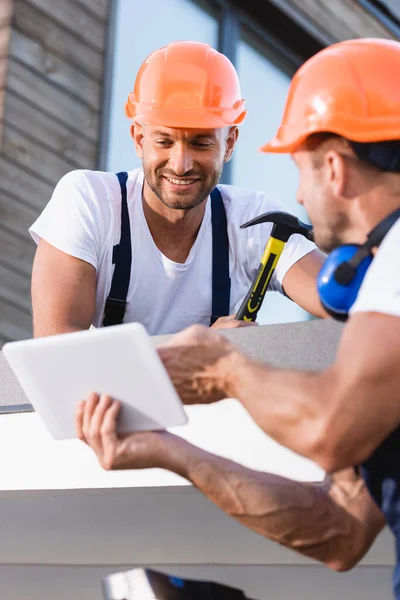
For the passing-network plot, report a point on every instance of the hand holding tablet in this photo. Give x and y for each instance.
(56, 372)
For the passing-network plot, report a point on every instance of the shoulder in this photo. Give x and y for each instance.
(97, 189)
(380, 290)
(84, 192)
(387, 258)
(391, 241)
(87, 182)
(244, 205)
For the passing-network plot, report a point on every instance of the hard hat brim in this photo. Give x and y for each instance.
(355, 129)
(275, 146)
(189, 119)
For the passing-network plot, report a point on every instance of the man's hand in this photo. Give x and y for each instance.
(231, 323)
(334, 522)
(195, 360)
(96, 422)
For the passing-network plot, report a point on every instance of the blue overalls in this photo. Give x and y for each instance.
(381, 473)
(115, 307)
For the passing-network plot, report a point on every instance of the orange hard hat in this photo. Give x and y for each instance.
(186, 85)
(351, 89)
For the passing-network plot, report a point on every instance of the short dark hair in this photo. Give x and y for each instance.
(384, 155)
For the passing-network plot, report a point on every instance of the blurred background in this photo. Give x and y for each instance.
(67, 66)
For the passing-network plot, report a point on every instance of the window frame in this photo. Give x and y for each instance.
(263, 21)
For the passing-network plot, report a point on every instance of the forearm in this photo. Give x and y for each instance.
(316, 520)
(290, 406)
(300, 286)
(331, 416)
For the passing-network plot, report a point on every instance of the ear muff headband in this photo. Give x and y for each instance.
(338, 282)
(342, 274)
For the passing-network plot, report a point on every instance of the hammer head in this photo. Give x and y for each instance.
(284, 225)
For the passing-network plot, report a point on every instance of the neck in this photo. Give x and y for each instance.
(370, 210)
(173, 231)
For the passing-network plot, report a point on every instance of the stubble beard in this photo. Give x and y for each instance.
(155, 184)
(332, 238)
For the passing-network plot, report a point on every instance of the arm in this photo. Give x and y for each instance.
(63, 292)
(336, 417)
(333, 417)
(299, 283)
(334, 522)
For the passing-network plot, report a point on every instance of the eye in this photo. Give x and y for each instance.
(163, 143)
(202, 145)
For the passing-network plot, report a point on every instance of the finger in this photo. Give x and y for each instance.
(79, 420)
(108, 432)
(187, 336)
(231, 323)
(89, 406)
(243, 323)
(223, 322)
(96, 424)
(163, 352)
(98, 414)
(248, 323)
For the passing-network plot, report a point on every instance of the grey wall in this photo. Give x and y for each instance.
(306, 345)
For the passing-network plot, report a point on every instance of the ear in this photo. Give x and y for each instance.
(336, 173)
(137, 136)
(230, 142)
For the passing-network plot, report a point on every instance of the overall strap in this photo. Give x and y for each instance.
(221, 282)
(115, 307)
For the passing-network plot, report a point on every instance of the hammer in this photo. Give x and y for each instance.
(284, 225)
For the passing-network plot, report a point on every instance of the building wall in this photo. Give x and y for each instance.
(337, 20)
(66, 523)
(5, 33)
(52, 68)
(51, 110)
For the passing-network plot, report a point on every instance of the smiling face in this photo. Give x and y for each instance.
(182, 167)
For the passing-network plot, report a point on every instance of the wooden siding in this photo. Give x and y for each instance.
(51, 75)
(6, 7)
(335, 20)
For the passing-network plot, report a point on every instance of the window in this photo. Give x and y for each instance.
(265, 64)
(147, 30)
(265, 80)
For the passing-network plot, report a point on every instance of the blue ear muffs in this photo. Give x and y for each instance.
(340, 279)
(342, 274)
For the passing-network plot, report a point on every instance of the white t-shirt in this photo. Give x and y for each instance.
(380, 290)
(83, 219)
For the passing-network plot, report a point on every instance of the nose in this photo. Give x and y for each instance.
(299, 197)
(180, 160)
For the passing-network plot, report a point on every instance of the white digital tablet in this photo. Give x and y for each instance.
(56, 372)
